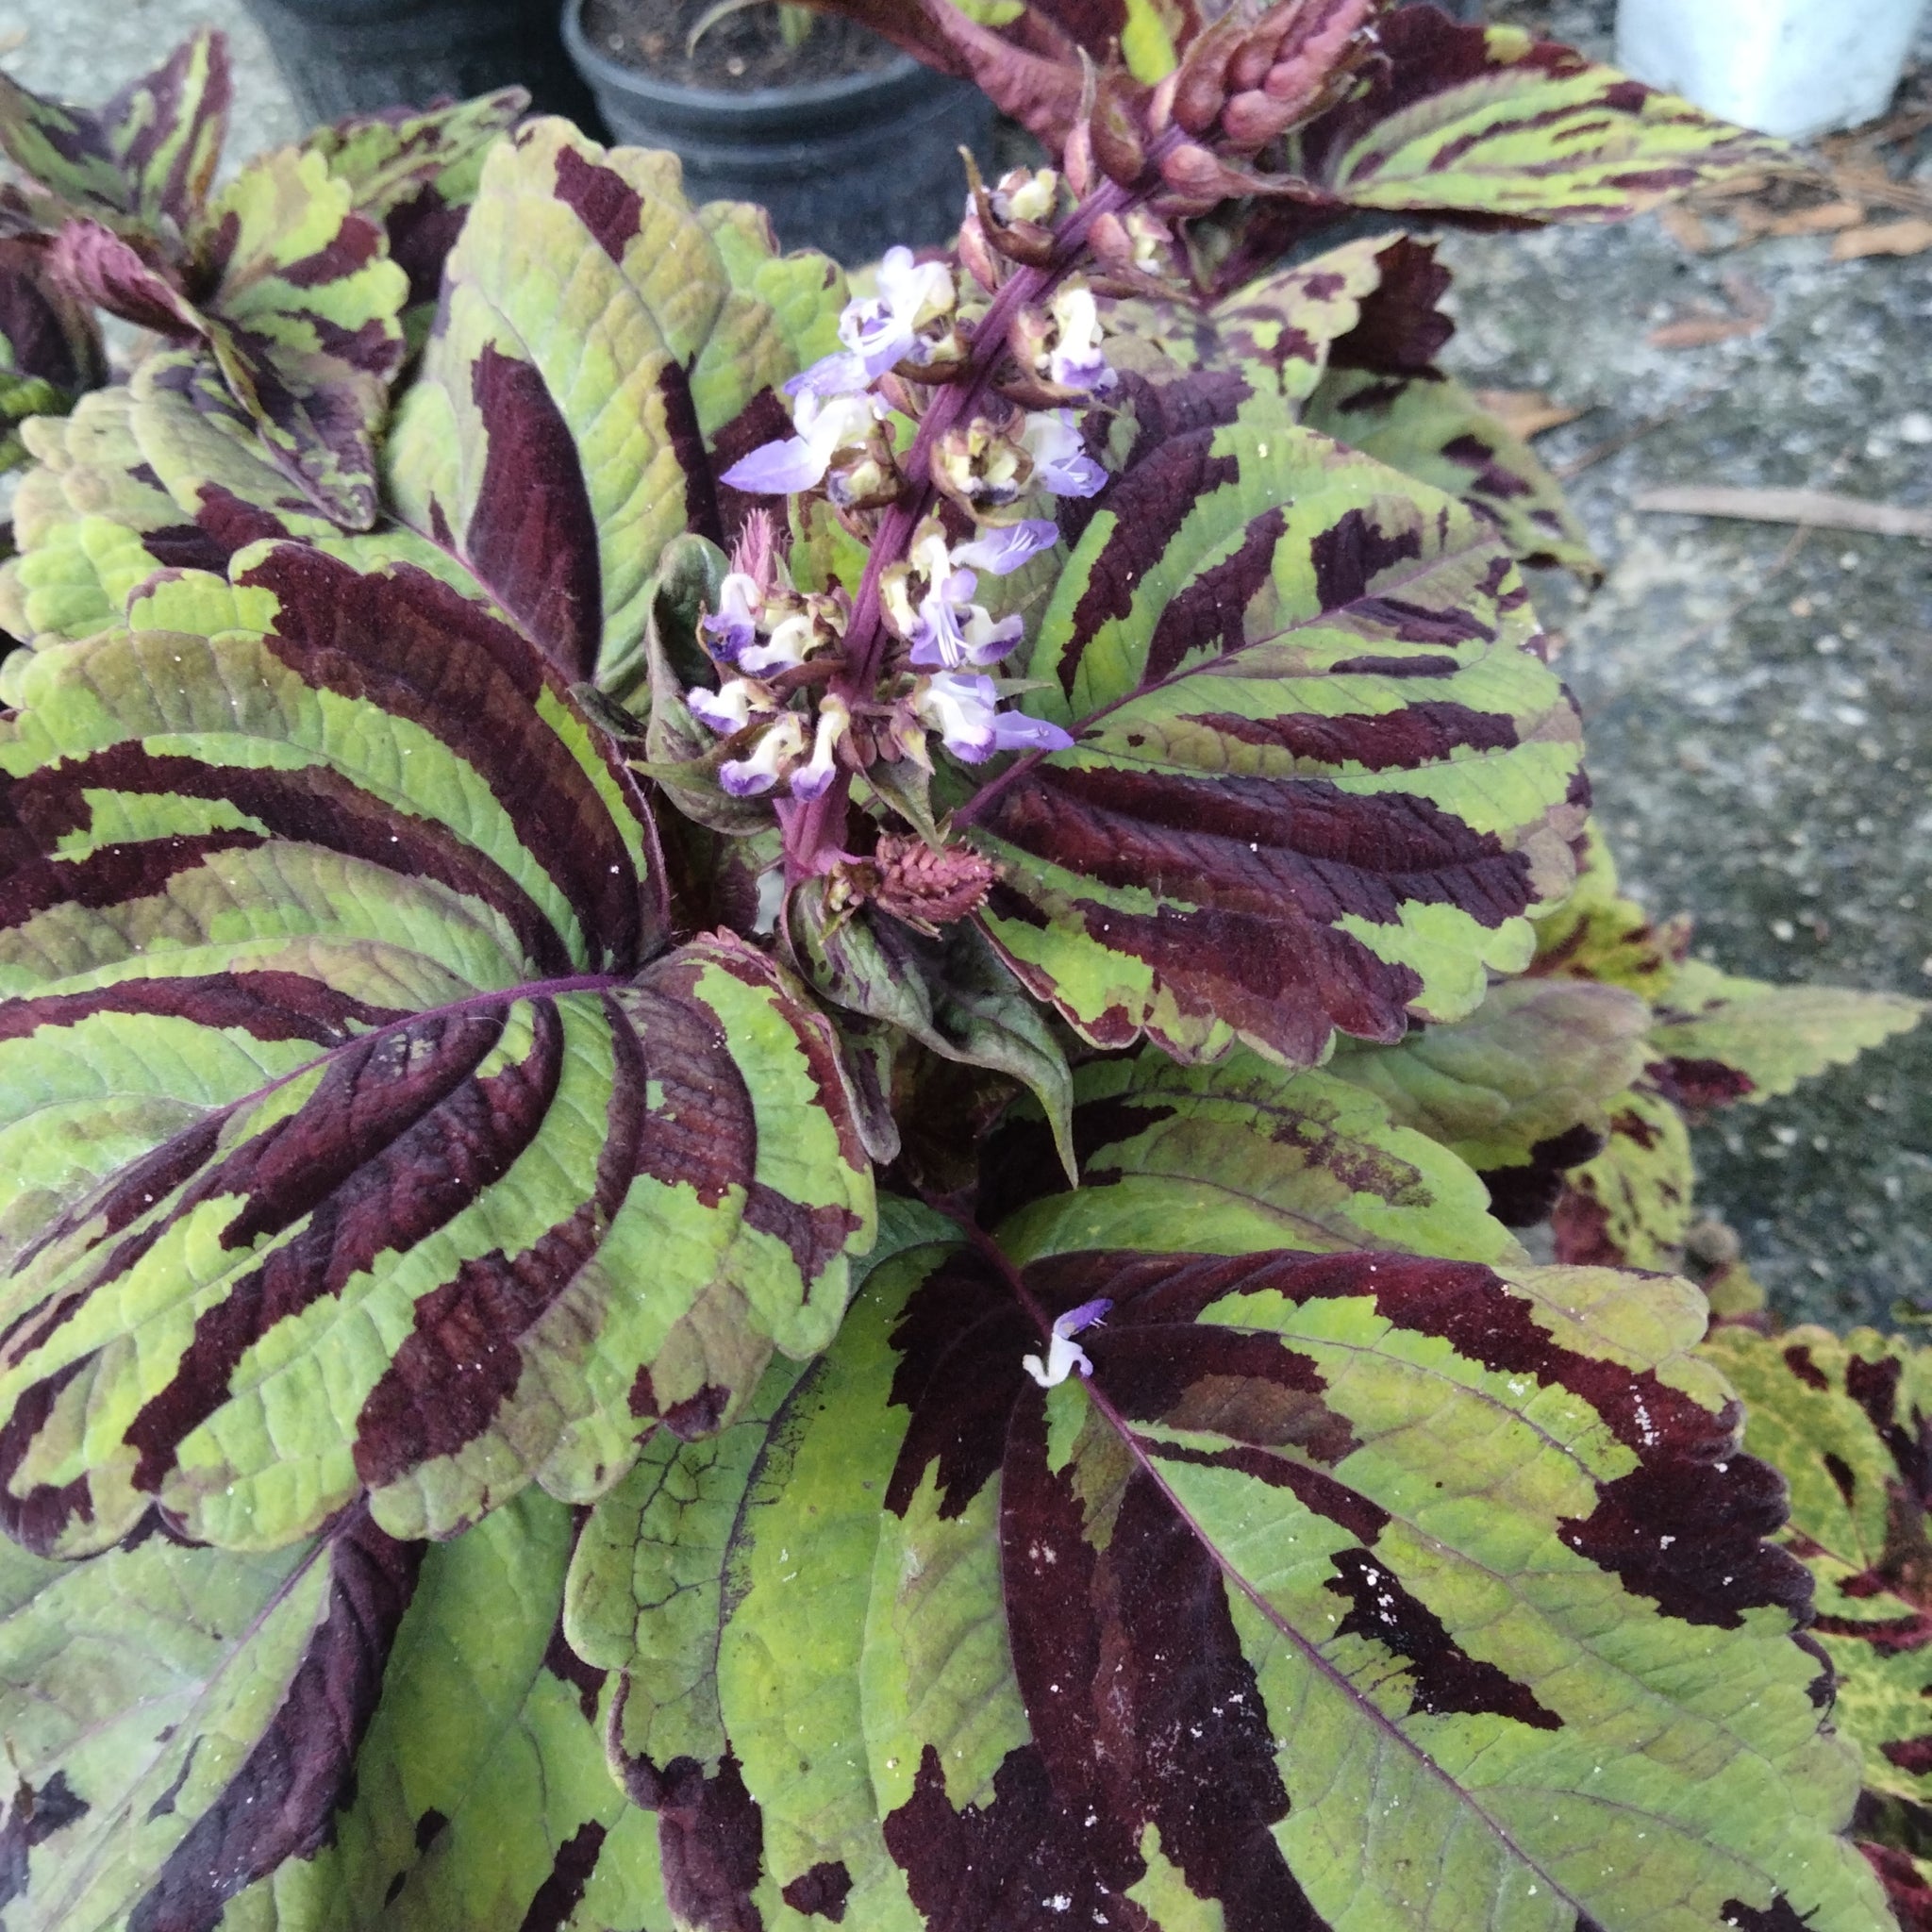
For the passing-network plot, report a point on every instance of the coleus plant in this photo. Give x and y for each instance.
(765, 1058)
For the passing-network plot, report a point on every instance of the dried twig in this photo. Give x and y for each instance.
(1818, 509)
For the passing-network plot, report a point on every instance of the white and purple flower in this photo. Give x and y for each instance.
(813, 778)
(963, 708)
(733, 627)
(777, 751)
(1060, 463)
(1063, 1354)
(1076, 360)
(728, 708)
(883, 330)
(825, 425)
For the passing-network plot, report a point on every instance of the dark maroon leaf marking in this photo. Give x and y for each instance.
(1151, 502)
(281, 1801)
(712, 1838)
(1212, 609)
(1798, 1359)
(1401, 329)
(562, 1890)
(1780, 1917)
(602, 199)
(36, 1519)
(1911, 1755)
(820, 1893)
(1417, 735)
(1524, 1196)
(33, 1818)
(431, 1822)
(564, 1664)
(460, 1361)
(531, 536)
(163, 1807)
(1447, 1678)
(687, 445)
(266, 1005)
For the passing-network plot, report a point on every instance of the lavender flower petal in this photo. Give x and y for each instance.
(778, 469)
(1016, 731)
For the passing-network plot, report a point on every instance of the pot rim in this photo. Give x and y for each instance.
(756, 104)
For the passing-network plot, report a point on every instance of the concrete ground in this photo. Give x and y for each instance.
(1759, 705)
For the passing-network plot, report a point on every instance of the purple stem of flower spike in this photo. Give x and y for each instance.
(809, 828)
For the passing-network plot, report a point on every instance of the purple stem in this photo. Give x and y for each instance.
(809, 829)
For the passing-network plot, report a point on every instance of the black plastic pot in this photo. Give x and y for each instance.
(850, 165)
(347, 57)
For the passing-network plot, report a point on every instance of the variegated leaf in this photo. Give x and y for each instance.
(1477, 120)
(1519, 1089)
(480, 1796)
(1718, 1039)
(1321, 776)
(179, 1722)
(1631, 1206)
(595, 336)
(417, 172)
(1847, 1421)
(1233, 1159)
(50, 348)
(1596, 933)
(1316, 1607)
(1431, 427)
(333, 1042)
(141, 163)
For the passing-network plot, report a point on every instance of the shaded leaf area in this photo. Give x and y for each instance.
(1631, 1204)
(595, 337)
(1231, 1159)
(359, 1133)
(1335, 1597)
(181, 1721)
(50, 351)
(1491, 122)
(298, 303)
(416, 173)
(142, 163)
(480, 1796)
(1321, 774)
(1518, 1091)
(949, 993)
(1711, 1039)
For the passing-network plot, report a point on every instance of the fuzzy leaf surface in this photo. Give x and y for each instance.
(338, 1042)
(1334, 1599)
(594, 336)
(1844, 1420)
(481, 1795)
(142, 162)
(1320, 777)
(1491, 122)
(181, 1721)
(1233, 1159)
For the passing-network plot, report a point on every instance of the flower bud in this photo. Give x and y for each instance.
(865, 478)
(976, 253)
(1027, 194)
(1117, 143)
(778, 749)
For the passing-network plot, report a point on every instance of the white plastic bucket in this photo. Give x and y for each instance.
(1786, 67)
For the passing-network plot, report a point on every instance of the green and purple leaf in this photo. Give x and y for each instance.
(1488, 122)
(595, 336)
(480, 1796)
(1718, 1039)
(1314, 1607)
(1631, 1204)
(416, 173)
(1321, 774)
(1847, 1421)
(51, 352)
(143, 162)
(336, 1036)
(179, 1722)
(1234, 1158)
(1518, 1091)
